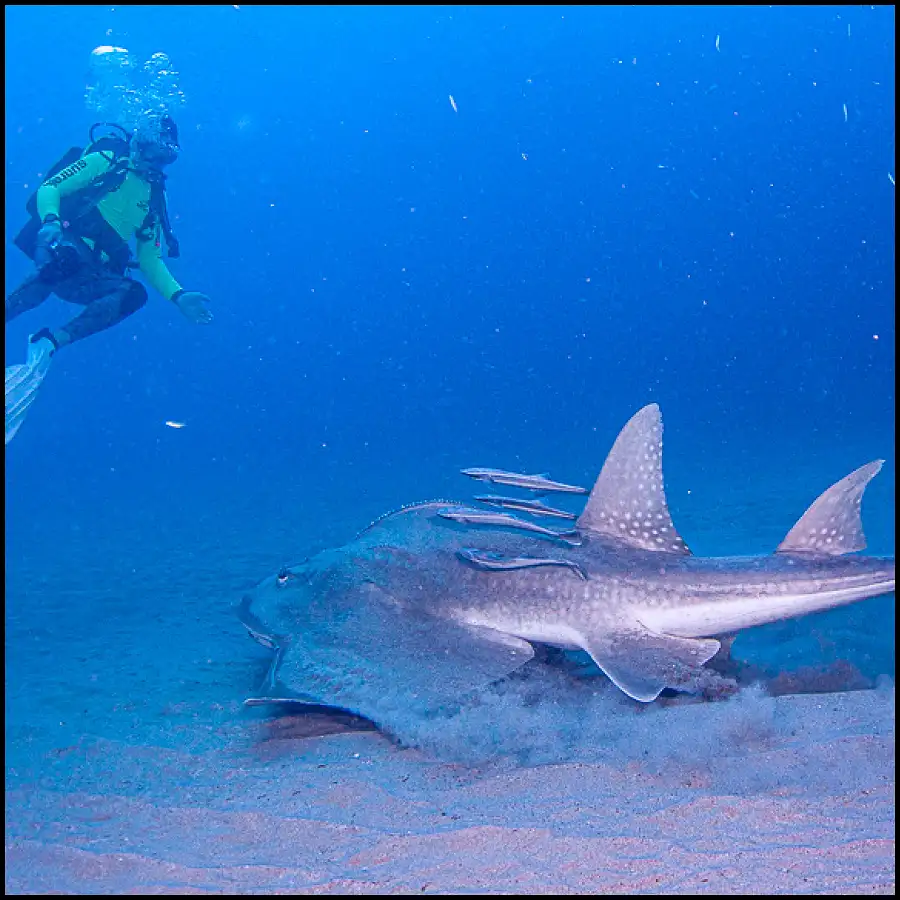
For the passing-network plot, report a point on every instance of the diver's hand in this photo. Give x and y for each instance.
(48, 238)
(194, 306)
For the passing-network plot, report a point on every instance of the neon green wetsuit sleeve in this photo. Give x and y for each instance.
(149, 257)
(73, 178)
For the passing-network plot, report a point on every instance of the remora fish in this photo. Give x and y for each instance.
(469, 515)
(395, 619)
(528, 482)
(534, 507)
(491, 561)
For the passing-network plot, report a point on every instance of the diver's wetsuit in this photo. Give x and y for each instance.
(100, 285)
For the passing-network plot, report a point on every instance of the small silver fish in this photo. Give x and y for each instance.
(535, 507)
(496, 562)
(529, 482)
(468, 515)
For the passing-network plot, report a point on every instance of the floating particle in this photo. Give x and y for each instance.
(845, 112)
(453, 104)
(890, 178)
(172, 424)
(717, 44)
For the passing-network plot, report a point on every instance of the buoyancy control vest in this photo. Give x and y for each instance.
(79, 212)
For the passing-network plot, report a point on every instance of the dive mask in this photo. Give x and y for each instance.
(156, 144)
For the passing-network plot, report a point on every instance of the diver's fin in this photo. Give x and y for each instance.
(628, 502)
(15, 376)
(22, 383)
(832, 524)
(642, 662)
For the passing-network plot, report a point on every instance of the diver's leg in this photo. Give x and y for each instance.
(108, 299)
(32, 292)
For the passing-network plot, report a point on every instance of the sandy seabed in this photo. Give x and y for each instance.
(273, 811)
(132, 767)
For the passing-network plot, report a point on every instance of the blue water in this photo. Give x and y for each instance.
(686, 206)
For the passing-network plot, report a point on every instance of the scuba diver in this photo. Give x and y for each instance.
(83, 217)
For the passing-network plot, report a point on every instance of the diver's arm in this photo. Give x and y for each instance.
(192, 304)
(149, 257)
(71, 179)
